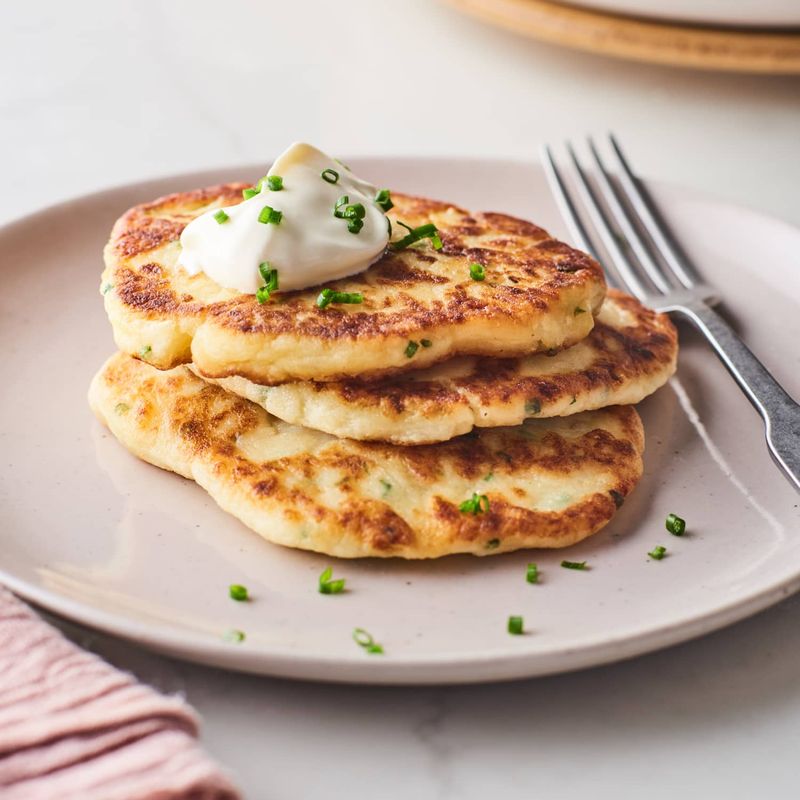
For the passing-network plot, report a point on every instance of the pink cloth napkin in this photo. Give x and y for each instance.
(72, 726)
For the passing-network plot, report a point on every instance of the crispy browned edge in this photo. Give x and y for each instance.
(208, 421)
(648, 345)
(524, 250)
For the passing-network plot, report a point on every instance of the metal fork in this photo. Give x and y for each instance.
(645, 258)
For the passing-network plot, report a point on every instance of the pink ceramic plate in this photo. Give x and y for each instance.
(93, 534)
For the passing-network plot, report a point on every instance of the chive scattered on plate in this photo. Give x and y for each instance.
(329, 586)
(364, 639)
(675, 525)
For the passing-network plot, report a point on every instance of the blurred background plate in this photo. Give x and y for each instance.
(747, 13)
(700, 47)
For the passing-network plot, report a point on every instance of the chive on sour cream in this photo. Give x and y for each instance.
(310, 219)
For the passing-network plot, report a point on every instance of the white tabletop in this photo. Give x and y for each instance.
(96, 94)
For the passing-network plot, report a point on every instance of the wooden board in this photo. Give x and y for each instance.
(699, 47)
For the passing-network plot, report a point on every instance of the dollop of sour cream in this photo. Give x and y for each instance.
(308, 246)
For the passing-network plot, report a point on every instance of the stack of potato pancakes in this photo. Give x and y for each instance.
(479, 399)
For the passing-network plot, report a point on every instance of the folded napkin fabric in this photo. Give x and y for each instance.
(74, 727)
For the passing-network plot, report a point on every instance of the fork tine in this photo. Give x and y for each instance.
(580, 236)
(663, 238)
(599, 219)
(622, 218)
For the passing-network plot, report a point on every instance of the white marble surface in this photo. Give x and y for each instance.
(98, 93)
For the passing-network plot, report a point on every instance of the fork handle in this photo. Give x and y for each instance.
(780, 412)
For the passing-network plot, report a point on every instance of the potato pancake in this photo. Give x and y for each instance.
(546, 483)
(420, 305)
(630, 353)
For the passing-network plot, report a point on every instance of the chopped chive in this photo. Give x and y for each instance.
(238, 592)
(342, 201)
(145, 351)
(353, 211)
(387, 487)
(532, 573)
(574, 564)
(533, 406)
(427, 231)
(675, 525)
(234, 636)
(411, 348)
(328, 586)
(355, 225)
(657, 552)
(384, 200)
(221, 216)
(389, 227)
(425, 342)
(328, 296)
(477, 271)
(477, 504)
(330, 175)
(274, 183)
(248, 193)
(579, 310)
(515, 626)
(270, 276)
(121, 408)
(364, 639)
(270, 216)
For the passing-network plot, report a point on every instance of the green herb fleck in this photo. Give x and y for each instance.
(107, 287)
(574, 400)
(234, 635)
(425, 342)
(274, 183)
(238, 592)
(516, 626)
(355, 225)
(270, 278)
(533, 406)
(427, 231)
(579, 310)
(488, 476)
(477, 271)
(675, 525)
(617, 497)
(574, 565)
(330, 175)
(364, 639)
(387, 487)
(145, 351)
(121, 408)
(532, 573)
(384, 200)
(221, 216)
(328, 296)
(411, 348)
(328, 586)
(477, 504)
(658, 552)
(492, 544)
(270, 216)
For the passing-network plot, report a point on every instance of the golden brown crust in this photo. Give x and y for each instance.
(550, 483)
(533, 283)
(630, 353)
